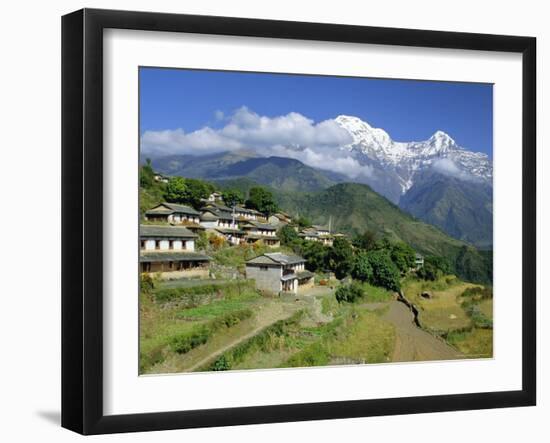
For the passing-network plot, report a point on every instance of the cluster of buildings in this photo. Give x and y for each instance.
(167, 243)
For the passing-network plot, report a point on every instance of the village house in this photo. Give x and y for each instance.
(170, 251)
(213, 218)
(314, 234)
(256, 231)
(214, 197)
(277, 272)
(248, 214)
(279, 219)
(173, 213)
(418, 260)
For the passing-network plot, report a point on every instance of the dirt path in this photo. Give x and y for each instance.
(270, 315)
(411, 342)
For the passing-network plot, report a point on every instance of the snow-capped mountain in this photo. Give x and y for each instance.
(393, 166)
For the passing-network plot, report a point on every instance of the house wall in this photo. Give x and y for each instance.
(267, 279)
(164, 245)
(209, 224)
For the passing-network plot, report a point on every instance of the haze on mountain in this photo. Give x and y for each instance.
(436, 180)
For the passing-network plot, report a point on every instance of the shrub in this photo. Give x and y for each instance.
(384, 271)
(183, 343)
(221, 364)
(349, 293)
(146, 284)
(362, 269)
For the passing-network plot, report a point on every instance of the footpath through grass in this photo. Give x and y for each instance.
(457, 311)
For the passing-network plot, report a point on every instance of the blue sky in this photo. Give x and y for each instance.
(408, 110)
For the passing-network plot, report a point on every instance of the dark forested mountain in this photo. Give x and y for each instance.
(278, 172)
(463, 209)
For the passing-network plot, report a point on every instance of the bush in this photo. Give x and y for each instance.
(183, 343)
(362, 269)
(146, 283)
(221, 364)
(349, 293)
(384, 271)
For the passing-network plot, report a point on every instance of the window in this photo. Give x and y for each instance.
(263, 268)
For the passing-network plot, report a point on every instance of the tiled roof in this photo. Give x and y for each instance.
(165, 208)
(265, 226)
(165, 231)
(277, 258)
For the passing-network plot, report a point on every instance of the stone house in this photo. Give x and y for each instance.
(277, 272)
(256, 231)
(170, 251)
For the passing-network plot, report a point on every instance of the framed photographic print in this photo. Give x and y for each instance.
(269, 221)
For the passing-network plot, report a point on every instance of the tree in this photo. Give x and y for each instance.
(434, 268)
(340, 257)
(366, 240)
(197, 190)
(384, 270)
(303, 222)
(146, 175)
(288, 235)
(232, 197)
(262, 200)
(349, 293)
(176, 190)
(403, 256)
(362, 269)
(316, 255)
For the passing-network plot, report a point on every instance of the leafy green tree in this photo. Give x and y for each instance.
(197, 190)
(434, 268)
(384, 271)
(232, 197)
(362, 269)
(340, 257)
(403, 256)
(315, 254)
(146, 175)
(366, 240)
(176, 190)
(262, 200)
(303, 222)
(349, 293)
(288, 235)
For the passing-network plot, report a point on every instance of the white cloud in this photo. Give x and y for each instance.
(292, 135)
(447, 167)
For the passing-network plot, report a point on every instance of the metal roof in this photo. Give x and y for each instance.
(165, 231)
(149, 257)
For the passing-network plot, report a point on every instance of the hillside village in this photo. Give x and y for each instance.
(169, 232)
(232, 281)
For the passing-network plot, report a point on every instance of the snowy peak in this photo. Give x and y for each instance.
(374, 148)
(441, 142)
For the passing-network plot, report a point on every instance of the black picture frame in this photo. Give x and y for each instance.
(82, 219)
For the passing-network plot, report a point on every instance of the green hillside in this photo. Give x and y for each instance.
(352, 208)
(462, 209)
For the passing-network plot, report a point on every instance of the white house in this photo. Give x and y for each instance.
(256, 231)
(277, 272)
(173, 213)
(170, 251)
